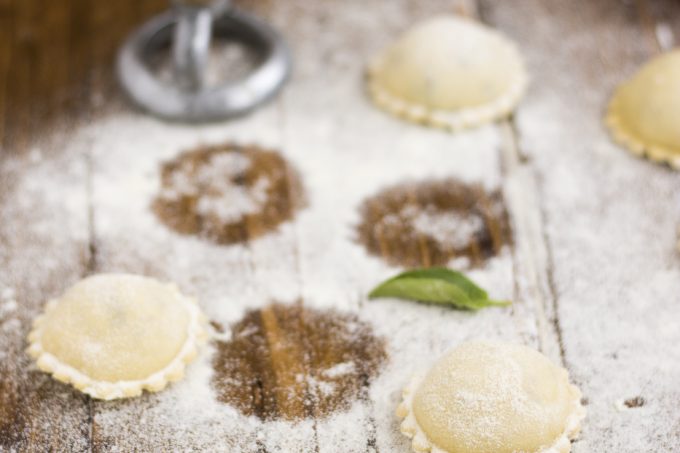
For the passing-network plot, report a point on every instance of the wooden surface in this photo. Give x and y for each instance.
(593, 268)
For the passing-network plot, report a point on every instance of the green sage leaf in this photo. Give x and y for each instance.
(436, 285)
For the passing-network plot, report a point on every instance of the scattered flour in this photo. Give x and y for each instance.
(448, 228)
(610, 228)
(665, 36)
(12, 325)
(214, 186)
(233, 202)
(7, 294)
(338, 370)
(615, 269)
(312, 257)
(8, 307)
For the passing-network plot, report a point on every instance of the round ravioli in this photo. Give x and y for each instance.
(492, 397)
(449, 72)
(113, 335)
(644, 113)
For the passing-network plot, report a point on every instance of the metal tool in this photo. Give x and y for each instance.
(189, 28)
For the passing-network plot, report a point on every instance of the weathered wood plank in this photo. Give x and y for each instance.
(331, 272)
(56, 62)
(6, 26)
(126, 180)
(43, 248)
(349, 150)
(532, 261)
(610, 219)
(565, 282)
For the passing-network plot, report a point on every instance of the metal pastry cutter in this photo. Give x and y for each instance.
(188, 30)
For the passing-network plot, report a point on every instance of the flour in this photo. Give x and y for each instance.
(665, 36)
(448, 229)
(7, 294)
(234, 202)
(10, 326)
(338, 370)
(612, 247)
(608, 219)
(8, 307)
(312, 256)
(346, 151)
(213, 185)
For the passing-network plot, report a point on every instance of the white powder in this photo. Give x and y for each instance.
(319, 387)
(8, 307)
(615, 268)
(665, 36)
(312, 257)
(213, 185)
(616, 271)
(12, 325)
(7, 294)
(338, 370)
(35, 155)
(448, 228)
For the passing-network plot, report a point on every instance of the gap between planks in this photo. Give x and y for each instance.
(528, 214)
(531, 250)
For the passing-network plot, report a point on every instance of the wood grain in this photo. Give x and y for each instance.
(609, 218)
(56, 62)
(592, 267)
(44, 248)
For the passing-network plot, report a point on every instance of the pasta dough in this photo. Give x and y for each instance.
(113, 335)
(644, 113)
(492, 397)
(449, 72)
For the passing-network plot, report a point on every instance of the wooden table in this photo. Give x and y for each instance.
(593, 269)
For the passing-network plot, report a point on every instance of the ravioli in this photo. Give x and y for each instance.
(449, 72)
(492, 397)
(114, 335)
(644, 113)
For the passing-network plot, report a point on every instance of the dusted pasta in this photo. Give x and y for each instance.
(113, 335)
(492, 397)
(449, 72)
(644, 113)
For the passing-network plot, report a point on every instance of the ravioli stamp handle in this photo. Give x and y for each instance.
(192, 37)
